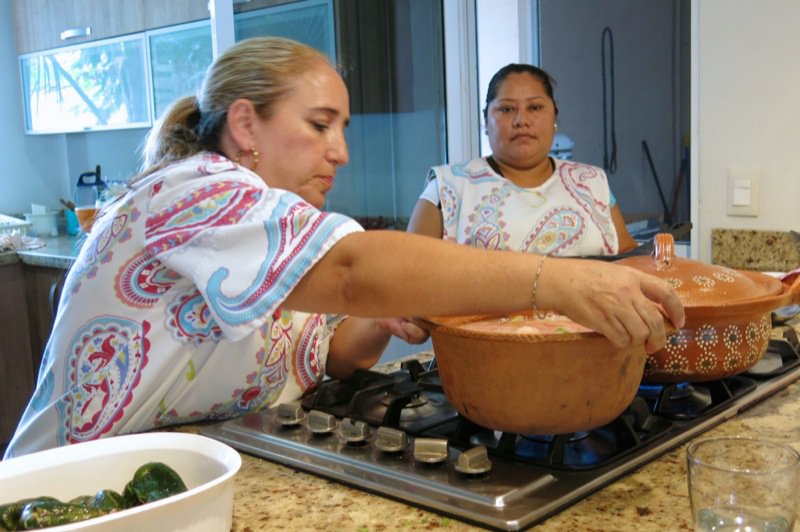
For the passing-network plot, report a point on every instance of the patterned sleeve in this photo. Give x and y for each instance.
(243, 245)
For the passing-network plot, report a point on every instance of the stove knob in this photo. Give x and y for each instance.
(291, 414)
(431, 450)
(391, 440)
(321, 423)
(474, 461)
(353, 431)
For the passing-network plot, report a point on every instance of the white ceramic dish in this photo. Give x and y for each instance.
(206, 466)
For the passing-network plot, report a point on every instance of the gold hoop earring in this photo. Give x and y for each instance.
(253, 153)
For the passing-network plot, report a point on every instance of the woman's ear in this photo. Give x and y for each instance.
(241, 120)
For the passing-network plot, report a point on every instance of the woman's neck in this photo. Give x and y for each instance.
(524, 177)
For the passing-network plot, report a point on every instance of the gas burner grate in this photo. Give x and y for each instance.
(578, 451)
(410, 399)
(686, 401)
(783, 355)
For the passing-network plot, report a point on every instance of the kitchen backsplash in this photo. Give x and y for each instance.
(746, 249)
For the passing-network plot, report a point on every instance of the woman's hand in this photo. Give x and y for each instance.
(358, 343)
(623, 304)
(403, 329)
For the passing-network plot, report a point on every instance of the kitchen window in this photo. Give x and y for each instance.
(179, 58)
(101, 85)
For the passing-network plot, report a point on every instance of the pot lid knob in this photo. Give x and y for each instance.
(663, 251)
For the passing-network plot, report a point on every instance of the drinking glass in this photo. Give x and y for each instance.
(86, 216)
(743, 484)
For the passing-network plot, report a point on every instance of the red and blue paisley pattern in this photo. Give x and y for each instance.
(299, 236)
(105, 362)
(143, 280)
(218, 204)
(98, 250)
(307, 368)
(189, 319)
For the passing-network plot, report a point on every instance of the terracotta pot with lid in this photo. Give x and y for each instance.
(728, 315)
(527, 375)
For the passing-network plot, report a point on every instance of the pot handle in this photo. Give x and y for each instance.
(663, 251)
(424, 324)
(793, 278)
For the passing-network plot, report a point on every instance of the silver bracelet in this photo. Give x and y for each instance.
(536, 311)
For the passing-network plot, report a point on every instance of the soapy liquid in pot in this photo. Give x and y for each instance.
(520, 324)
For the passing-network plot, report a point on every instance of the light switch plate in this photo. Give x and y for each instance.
(743, 185)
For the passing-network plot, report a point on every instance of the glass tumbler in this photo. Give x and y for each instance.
(743, 484)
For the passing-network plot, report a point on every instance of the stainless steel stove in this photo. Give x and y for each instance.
(394, 434)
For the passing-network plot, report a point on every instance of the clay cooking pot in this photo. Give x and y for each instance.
(728, 315)
(524, 381)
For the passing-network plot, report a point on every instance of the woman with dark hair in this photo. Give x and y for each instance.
(209, 289)
(519, 197)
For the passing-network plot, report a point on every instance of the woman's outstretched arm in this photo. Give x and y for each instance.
(390, 273)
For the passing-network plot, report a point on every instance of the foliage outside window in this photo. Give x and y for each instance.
(96, 86)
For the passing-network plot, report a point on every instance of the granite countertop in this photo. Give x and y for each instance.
(655, 497)
(758, 250)
(55, 252)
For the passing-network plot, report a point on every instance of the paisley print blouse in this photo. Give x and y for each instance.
(171, 312)
(568, 215)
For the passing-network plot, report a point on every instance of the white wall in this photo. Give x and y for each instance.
(34, 167)
(748, 114)
(43, 168)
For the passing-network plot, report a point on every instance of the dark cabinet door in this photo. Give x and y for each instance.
(16, 366)
(43, 286)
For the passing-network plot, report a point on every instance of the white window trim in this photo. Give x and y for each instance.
(463, 105)
(461, 80)
(222, 33)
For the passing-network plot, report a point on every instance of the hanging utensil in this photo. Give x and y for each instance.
(667, 215)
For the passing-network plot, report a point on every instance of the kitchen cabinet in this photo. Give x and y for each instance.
(240, 6)
(47, 24)
(158, 13)
(43, 287)
(16, 369)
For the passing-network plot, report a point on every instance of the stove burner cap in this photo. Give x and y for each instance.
(416, 401)
(474, 461)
